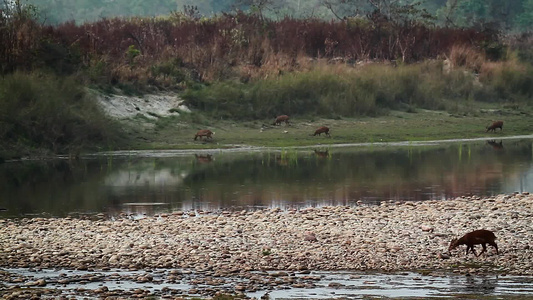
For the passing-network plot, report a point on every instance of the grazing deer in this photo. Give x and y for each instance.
(478, 237)
(204, 132)
(282, 118)
(497, 124)
(322, 129)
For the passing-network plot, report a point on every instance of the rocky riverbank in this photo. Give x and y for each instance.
(394, 236)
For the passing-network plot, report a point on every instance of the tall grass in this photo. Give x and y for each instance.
(44, 112)
(510, 81)
(337, 91)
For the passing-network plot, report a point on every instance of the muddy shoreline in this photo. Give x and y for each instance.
(270, 247)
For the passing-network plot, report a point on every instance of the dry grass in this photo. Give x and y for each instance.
(466, 56)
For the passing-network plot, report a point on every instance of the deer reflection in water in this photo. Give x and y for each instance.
(495, 145)
(206, 158)
(282, 161)
(469, 284)
(322, 154)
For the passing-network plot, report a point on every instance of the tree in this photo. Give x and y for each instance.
(524, 21)
(482, 14)
(19, 33)
(259, 7)
(397, 11)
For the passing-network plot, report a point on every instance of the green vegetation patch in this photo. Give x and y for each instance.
(372, 90)
(42, 112)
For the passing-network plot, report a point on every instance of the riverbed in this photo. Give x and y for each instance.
(395, 236)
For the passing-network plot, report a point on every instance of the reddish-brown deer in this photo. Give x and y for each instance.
(478, 237)
(322, 129)
(204, 132)
(497, 124)
(280, 119)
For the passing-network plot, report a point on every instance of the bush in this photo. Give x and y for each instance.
(223, 100)
(508, 81)
(42, 111)
(343, 91)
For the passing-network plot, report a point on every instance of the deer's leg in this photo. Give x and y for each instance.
(484, 249)
(493, 244)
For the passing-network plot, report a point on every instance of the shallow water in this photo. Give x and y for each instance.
(328, 285)
(151, 182)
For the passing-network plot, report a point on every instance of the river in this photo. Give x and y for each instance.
(151, 182)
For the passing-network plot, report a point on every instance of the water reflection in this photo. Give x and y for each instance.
(289, 178)
(498, 146)
(474, 284)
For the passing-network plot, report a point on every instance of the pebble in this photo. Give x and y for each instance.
(394, 236)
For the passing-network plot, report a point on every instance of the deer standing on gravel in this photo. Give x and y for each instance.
(477, 237)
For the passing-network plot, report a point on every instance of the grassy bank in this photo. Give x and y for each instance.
(238, 72)
(48, 114)
(178, 132)
(431, 100)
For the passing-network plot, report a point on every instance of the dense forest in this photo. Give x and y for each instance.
(509, 15)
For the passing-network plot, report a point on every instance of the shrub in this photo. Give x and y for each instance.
(466, 56)
(509, 80)
(329, 91)
(42, 111)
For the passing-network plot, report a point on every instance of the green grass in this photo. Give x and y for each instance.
(423, 125)
(40, 112)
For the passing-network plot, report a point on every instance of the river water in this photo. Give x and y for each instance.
(151, 182)
(327, 285)
(143, 183)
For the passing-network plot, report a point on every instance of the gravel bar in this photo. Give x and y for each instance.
(393, 236)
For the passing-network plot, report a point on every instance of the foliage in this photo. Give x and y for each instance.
(236, 46)
(483, 14)
(497, 14)
(525, 19)
(333, 91)
(131, 53)
(509, 81)
(19, 35)
(247, 66)
(41, 111)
